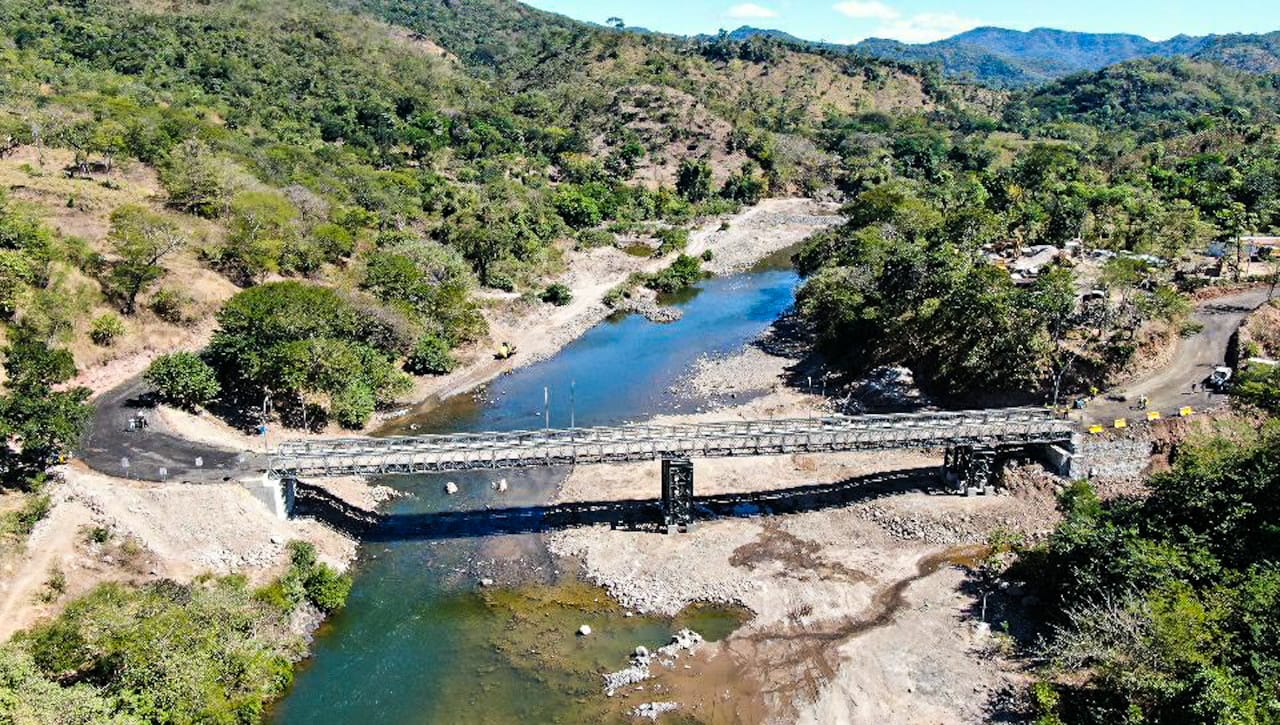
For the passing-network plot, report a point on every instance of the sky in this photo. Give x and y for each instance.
(922, 21)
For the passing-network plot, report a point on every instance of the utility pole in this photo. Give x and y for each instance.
(546, 407)
(573, 403)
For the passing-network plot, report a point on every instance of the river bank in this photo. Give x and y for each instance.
(538, 331)
(853, 569)
(99, 529)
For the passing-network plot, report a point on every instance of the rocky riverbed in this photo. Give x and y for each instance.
(877, 559)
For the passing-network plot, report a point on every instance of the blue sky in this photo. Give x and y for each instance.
(917, 21)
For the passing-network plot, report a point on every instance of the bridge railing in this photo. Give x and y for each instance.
(524, 448)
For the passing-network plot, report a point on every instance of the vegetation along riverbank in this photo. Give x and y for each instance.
(226, 224)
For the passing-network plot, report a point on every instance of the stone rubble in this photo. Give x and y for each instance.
(651, 710)
(686, 640)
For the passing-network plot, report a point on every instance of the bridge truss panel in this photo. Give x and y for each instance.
(645, 442)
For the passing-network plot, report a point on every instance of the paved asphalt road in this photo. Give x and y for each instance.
(1169, 388)
(108, 440)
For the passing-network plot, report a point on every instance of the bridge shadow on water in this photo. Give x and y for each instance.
(632, 514)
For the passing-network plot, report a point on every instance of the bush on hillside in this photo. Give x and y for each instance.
(183, 379)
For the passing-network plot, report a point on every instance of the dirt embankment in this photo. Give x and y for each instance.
(1260, 334)
(107, 529)
(852, 567)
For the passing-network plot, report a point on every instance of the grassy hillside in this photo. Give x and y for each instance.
(450, 145)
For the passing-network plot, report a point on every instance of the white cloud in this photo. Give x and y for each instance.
(750, 11)
(867, 9)
(919, 28)
(925, 27)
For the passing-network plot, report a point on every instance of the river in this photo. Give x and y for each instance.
(420, 641)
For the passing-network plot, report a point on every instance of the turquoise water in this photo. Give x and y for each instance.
(419, 641)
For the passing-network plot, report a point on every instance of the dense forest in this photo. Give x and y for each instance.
(1164, 608)
(1153, 160)
(353, 180)
(404, 166)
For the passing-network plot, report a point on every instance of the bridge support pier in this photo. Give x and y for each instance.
(677, 494)
(970, 469)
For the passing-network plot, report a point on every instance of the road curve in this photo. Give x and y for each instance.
(1195, 357)
(154, 453)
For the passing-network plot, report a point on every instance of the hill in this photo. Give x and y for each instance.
(1156, 96)
(1015, 58)
(1018, 59)
(311, 139)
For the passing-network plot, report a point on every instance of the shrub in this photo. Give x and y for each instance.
(592, 238)
(22, 521)
(171, 306)
(684, 271)
(674, 239)
(302, 554)
(326, 588)
(183, 379)
(500, 281)
(557, 294)
(353, 406)
(106, 329)
(617, 295)
(707, 256)
(430, 356)
(307, 579)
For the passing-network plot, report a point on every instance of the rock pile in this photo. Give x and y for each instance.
(651, 710)
(686, 640)
(651, 310)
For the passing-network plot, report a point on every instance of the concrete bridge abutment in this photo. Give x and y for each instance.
(276, 493)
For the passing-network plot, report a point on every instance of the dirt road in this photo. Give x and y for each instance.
(1169, 388)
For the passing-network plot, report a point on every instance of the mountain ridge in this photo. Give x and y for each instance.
(1007, 58)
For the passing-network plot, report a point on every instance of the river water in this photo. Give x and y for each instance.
(420, 641)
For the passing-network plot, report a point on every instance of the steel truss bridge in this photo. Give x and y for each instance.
(973, 439)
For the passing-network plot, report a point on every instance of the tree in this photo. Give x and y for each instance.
(577, 209)
(1259, 386)
(745, 186)
(141, 239)
(430, 356)
(306, 345)
(262, 224)
(183, 379)
(693, 180)
(197, 180)
(38, 422)
(557, 294)
(616, 22)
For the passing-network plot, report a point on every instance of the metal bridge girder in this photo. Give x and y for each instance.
(516, 449)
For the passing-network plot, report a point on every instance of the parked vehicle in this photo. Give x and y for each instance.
(1219, 379)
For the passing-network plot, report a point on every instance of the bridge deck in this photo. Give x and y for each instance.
(519, 449)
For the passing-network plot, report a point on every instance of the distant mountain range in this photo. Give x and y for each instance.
(1015, 58)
